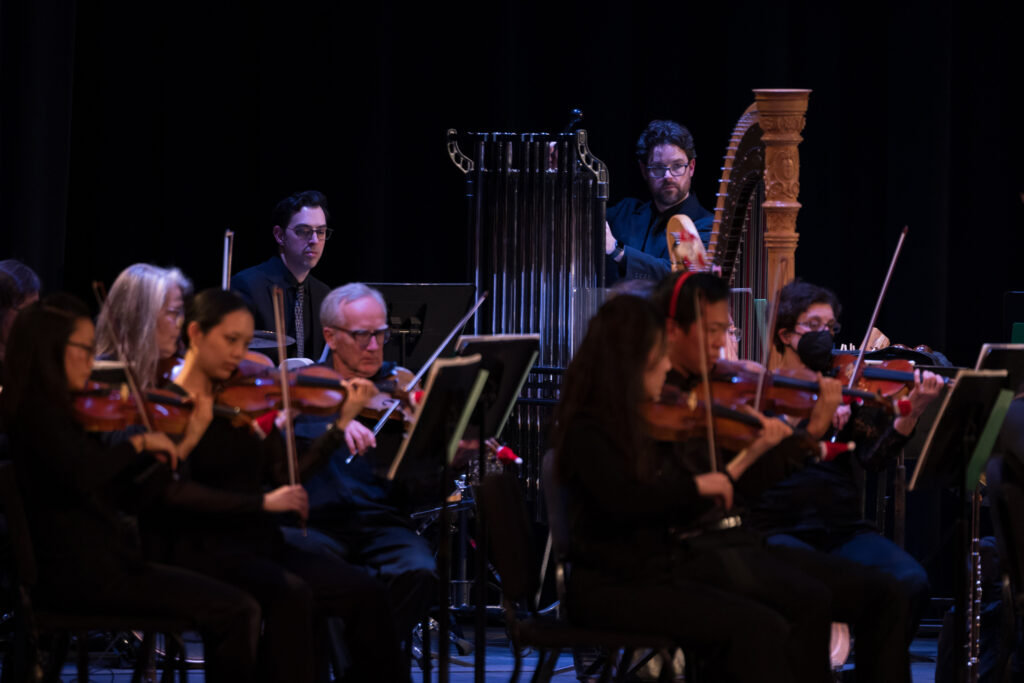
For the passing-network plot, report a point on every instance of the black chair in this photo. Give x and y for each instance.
(504, 514)
(1005, 480)
(30, 622)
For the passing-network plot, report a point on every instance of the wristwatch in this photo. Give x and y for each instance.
(618, 251)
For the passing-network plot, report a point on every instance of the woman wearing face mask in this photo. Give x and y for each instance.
(819, 507)
(229, 526)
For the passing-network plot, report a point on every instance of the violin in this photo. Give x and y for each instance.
(256, 388)
(786, 391)
(103, 408)
(680, 416)
(391, 390)
(890, 378)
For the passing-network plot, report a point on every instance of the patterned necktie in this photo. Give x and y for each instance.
(300, 327)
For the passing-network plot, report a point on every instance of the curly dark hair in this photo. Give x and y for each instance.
(291, 205)
(795, 298)
(605, 379)
(662, 133)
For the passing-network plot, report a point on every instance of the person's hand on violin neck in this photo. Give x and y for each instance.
(159, 445)
(773, 431)
(927, 386)
(290, 498)
(359, 392)
(823, 414)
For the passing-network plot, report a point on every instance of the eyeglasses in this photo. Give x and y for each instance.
(304, 233)
(88, 348)
(362, 337)
(816, 325)
(175, 314)
(677, 169)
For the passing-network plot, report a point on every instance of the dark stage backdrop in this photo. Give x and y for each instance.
(140, 131)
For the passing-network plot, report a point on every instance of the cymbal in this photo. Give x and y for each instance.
(267, 339)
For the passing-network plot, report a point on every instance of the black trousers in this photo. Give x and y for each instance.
(394, 554)
(766, 611)
(748, 641)
(297, 590)
(227, 618)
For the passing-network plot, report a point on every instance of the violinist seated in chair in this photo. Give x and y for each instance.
(635, 232)
(865, 598)
(354, 511)
(819, 506)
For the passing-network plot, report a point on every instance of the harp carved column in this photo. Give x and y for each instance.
(781, 118)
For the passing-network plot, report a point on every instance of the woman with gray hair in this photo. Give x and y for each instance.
(142, 317)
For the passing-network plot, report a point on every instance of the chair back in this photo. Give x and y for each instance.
(23, 558)
(557, 506)
(1005, 479)
(505, 518)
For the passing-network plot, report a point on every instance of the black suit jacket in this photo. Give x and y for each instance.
(255, 286)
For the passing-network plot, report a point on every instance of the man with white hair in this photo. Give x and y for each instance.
(354, 511)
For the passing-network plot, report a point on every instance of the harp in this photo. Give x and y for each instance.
(753, 237)
(536, 243)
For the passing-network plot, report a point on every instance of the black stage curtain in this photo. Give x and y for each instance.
(140, 131)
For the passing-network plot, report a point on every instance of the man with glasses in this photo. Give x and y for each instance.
(354, 512)
(635, 231)
(300, 230)
(819, 507)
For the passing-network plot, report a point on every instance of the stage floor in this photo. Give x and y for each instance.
(500, 662)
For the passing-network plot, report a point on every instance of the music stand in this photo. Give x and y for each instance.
(420, 315)
(966, 425)
(451, 392)
(965, 410)
(1009, 357)
(508, 358)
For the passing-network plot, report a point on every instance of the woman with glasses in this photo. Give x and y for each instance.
(820, 506)
(75, 488)
(229, 528)
(142, 318)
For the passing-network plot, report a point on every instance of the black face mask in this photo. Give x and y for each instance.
(815, 350)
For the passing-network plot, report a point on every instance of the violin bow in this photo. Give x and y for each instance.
(286, 398)
(99, 290)
(706, 384)
(878, 306)
(225, 270)
(426, 366)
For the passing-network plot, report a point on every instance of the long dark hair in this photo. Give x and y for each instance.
(34, 363)
(605, 379)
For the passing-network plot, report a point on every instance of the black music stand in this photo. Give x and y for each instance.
(508, 358)
(450, 395)
(420, 315)
(1009, 357)
(955, 451)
